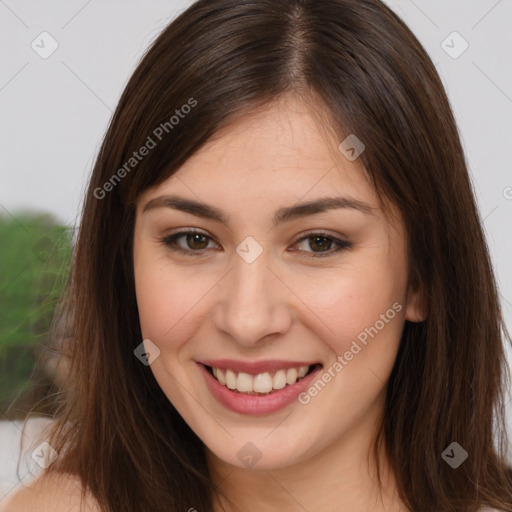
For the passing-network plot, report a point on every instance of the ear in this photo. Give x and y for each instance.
(415, 310)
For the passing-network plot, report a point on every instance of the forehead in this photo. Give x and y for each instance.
(283, 152)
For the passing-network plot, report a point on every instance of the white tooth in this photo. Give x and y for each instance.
(279, 381)
(262, 383)
(302, 371)
(244, 382)
(230, 379)
(291, 376)
(220, 377)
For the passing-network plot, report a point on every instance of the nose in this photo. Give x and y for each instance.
(252, 303)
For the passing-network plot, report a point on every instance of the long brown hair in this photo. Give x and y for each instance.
(117, 430)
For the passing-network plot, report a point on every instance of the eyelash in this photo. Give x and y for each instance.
(170, 242)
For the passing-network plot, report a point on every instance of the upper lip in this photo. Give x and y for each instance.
(255, 367)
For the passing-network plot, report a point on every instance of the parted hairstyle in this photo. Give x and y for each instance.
(116, 430)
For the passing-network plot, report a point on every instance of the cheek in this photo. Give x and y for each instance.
(361, 321)
(167, 299)
(362, 303)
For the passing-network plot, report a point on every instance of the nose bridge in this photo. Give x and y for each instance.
(251, 283)
(252, 304)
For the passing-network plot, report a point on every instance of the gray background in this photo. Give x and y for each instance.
(54, 111)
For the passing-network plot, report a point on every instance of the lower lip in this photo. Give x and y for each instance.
(257, 404)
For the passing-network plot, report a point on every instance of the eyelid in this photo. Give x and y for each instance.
(185, 231)
(340, 243)
(170, 239)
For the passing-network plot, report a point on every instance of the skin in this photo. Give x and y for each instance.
(287, 304)
(49, 493)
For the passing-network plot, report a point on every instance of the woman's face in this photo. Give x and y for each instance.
(274, 281)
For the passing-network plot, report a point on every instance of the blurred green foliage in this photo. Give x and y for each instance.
(35, 254)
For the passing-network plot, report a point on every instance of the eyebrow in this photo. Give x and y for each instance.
(200, 209)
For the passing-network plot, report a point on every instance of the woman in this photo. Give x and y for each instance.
(282, 295)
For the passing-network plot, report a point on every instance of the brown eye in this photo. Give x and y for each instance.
(322, 243)
(319, 244)
(196, 241)
(191, 243)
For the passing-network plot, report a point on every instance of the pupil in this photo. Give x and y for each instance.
(322, 242)
(196, 241)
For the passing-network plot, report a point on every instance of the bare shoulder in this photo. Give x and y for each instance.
(53, 493)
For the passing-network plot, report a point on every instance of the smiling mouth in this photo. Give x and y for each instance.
(264, 383)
